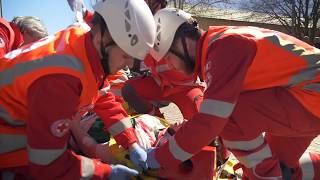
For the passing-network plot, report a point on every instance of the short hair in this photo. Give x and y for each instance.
(32, 24)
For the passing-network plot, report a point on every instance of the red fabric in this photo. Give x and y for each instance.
(61, 102)
(188, 99)
(111, 112)
(315, 157)
(18, 37)
(6, 37)
(88, 17)
(225, 86)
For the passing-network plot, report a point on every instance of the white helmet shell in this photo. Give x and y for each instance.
(130, 23)
(167, 22)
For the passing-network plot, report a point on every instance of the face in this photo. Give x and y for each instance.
(118, 59)
(174, 59)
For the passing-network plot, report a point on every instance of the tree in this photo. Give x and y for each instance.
(299, 17)
(196, 6)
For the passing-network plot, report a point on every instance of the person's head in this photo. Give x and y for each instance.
(121, 31)
(31, 28)
(176, 39)
(156, 5)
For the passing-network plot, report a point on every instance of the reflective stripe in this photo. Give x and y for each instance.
(116, 92)
(312, 87)
(7, 175)
(306, 166)
(255, 158)
(162, 68)
(217, 108)
(120, 126)
(215, 37)
(9, 75)
(44, 156)
(87, 168)
(312, 59)
(177, 151)
(157, 80)
(10, 143)
(4, 115)
(244, 145)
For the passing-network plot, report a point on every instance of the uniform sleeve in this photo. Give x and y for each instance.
(52, 100)
(116, 120)
(88, 15)
(227, 62)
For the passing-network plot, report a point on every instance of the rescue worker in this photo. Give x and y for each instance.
(21, 30)
(147, 93)
(258, 80)
(31, 28)
(45, 85)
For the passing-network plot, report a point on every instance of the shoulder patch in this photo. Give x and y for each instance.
(60, 128)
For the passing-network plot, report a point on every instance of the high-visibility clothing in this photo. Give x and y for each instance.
(65, 54)
(164, 84)
(168, 79)
(10, 37)
(236, 61)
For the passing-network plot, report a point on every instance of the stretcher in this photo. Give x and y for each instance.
(202, 166)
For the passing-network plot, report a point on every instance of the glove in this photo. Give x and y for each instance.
(138, 156)
(76, 5)
(120, 172)
(152, 163)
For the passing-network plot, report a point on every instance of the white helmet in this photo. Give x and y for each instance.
(130, 23)
(167, 21)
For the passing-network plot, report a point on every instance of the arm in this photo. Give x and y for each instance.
(52, 100)
(115, 119)
(225, 76)
(87, 144)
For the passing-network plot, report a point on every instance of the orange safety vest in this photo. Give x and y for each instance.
(281, 60)
(63, 53)
(169, 80)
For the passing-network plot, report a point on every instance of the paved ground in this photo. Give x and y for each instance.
(172, 113)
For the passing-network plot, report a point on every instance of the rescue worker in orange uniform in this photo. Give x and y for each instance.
(258, 80)
(21, 30)
(146, 94)
(45, 85)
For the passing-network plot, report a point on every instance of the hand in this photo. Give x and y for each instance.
(120, 172)
(152, 163)
(76, 5)
(138, 156)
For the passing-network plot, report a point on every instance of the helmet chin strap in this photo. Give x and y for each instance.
(105, 57)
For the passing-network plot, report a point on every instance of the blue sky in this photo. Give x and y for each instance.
(55, 14)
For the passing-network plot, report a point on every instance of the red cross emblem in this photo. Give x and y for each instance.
(60, 128)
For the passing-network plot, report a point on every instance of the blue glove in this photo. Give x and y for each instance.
(138, 156)
(76, 5)
(152, 163)
(120, 172)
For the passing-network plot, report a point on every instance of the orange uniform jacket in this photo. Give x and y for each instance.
(235, 60)
(41, 87)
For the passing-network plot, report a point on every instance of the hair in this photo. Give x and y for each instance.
(32, 24)
(189, 29)
(97, 21)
